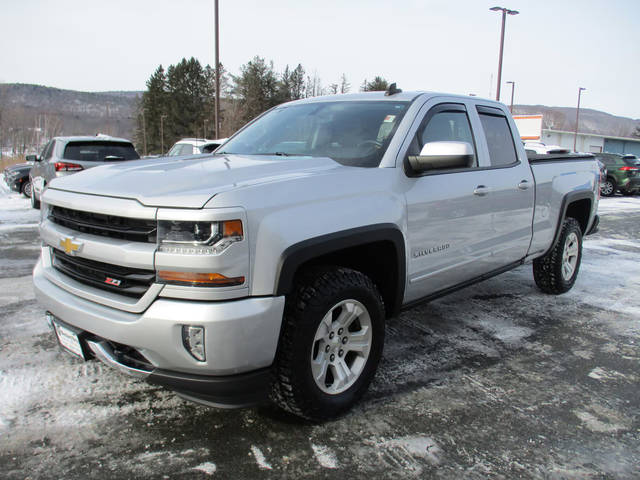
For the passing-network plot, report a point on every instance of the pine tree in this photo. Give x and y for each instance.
(376, 85)
(151, 107)
(256, 87)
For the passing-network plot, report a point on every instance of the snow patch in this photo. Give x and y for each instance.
(325, 456)
(207, 467)
(594, 424)
(260, 459)
(602, 374)
(614, 205)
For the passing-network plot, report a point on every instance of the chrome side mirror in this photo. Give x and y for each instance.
(442, 156)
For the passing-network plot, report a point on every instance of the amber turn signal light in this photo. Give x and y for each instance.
(199, 279)
(232, 228)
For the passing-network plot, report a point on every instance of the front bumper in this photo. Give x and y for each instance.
(241, 337)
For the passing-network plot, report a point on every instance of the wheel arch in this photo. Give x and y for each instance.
(378, 251)
(577, 205)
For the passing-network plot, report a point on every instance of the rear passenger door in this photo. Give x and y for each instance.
(511, 188)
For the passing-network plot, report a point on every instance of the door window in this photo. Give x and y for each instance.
(502, 151)
(444, 123)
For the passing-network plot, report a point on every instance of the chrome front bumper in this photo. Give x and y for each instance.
(240, 336)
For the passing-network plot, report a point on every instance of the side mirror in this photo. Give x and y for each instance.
(32, 158)
(442, 156)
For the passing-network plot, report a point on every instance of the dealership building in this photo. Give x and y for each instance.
(530, 127)
(590, 142)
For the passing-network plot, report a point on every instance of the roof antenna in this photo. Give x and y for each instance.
(392, 90)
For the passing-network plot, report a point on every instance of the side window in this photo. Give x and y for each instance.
(445, 126)
(502, 151)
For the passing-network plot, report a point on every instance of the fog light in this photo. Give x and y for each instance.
(193, 341)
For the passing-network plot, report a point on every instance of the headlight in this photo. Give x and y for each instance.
(198, 238)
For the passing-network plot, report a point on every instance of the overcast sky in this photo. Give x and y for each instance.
(551, 48)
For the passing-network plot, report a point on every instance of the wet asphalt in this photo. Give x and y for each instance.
(495, 381)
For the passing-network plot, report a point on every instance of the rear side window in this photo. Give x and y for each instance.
(502, 151)
(100, 151)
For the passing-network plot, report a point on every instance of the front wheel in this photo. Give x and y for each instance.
(26, 189)
(331, 343)
(557, 271)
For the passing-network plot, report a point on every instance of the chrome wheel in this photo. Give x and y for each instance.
(570, 256)
(26, 190)
(606, 188)
(341, 346)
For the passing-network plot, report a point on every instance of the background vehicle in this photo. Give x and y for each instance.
(541, 148)
(66, 155)
(194, 146)
(17, 178)
(270, 267)
(623, 174)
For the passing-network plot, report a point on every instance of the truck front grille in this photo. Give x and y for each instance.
(132, 282)
(132, 229)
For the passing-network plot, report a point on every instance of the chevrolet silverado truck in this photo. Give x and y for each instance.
(268, 269)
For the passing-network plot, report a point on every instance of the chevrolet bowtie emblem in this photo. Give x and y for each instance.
(69, 247)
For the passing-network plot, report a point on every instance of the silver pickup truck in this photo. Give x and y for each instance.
(268, 269)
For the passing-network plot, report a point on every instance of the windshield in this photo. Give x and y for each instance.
(100, 151)
(351, 133)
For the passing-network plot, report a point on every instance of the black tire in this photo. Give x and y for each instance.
(316, 293)
(608, 187)
(26, 189)
(34, 203)
(548, 270)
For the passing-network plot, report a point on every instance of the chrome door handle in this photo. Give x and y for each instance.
(523, 185)
(481, 190)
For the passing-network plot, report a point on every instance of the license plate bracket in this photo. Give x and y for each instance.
(69, 338)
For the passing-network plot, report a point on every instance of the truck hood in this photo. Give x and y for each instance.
(190, 182)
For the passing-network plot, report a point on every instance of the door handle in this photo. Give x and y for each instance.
(523, 185)
(481, 190)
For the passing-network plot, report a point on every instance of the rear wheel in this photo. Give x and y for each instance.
(331, 343)
(608, 187)
(34, 203)
(557, 271)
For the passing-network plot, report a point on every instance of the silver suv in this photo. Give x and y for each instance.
(66, 155)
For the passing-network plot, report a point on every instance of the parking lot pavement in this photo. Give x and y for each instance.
(495, 381)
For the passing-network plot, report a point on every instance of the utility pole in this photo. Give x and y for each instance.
(575, 136)
(162, 117)
(217, 109)
(505, 11)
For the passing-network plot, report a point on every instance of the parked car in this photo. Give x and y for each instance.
(540, 148)
(63, 156)
(194, 146)
(17, 178)
(268, 269)
(623, 174)
(603, 173)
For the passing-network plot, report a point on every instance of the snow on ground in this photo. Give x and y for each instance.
(495, 381)
(15, 210)
(618, 204)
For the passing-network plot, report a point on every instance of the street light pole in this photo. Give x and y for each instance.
(504, 11)
(217, 108)
(513, 87)
(575, 136)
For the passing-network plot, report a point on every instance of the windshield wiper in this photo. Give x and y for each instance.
(279, 154)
